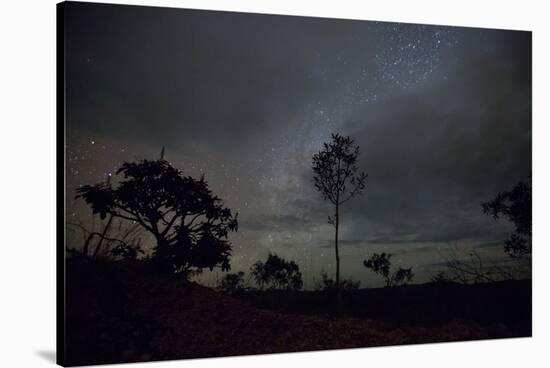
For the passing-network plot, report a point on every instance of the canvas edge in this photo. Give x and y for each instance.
(60, 184)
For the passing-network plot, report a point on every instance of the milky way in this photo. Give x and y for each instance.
(442, 116)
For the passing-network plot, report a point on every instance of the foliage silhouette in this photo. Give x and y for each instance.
(111, 241)
(328, 284)
(189, 224)
(516, 206)
(233, 283)
(402, 276)
(442, 277)
(381, 264)
(336, 176)
(465, 265)
(277, 273)
(125, 251)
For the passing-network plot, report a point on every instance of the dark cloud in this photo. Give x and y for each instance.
(434, 156)
(193, 78)
(279, 222)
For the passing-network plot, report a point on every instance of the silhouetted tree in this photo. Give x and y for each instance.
(381, 264)
(516, 206)
(336, 176)
(233, 282)
(402, 276)
(277, 273)
(466, 266)
(189, 223)
(468, 269)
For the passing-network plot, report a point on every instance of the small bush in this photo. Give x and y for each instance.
(233, 283)
(277, 273)
(327, 283)
(380, 264)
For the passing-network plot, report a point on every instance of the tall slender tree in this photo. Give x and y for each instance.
(338, 179)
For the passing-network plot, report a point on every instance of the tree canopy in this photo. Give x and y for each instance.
(277, 273)
(233, 283)
(335, 170)
(516, 206)
(189, 223)
(380, 264)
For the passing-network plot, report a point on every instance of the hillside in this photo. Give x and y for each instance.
(124, 312)
(505, 303)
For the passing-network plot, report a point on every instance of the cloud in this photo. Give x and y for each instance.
(275, 223)
(434, 156)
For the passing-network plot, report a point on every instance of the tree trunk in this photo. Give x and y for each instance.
(103, 235)
(338, 286)
(160, 253)
(87, 244)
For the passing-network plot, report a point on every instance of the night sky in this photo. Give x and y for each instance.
(442, 116)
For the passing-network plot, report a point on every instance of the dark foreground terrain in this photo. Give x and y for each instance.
(122, 312)
(506, 303)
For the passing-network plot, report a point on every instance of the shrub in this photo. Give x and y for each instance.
(277, 273)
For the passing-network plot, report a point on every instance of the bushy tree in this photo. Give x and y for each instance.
(189, 224)
(337, 177)
(277, 273)
(516, 206)
(380, 264)
(402, 276)
(233, 282)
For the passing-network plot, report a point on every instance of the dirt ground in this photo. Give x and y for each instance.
(123, 313)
